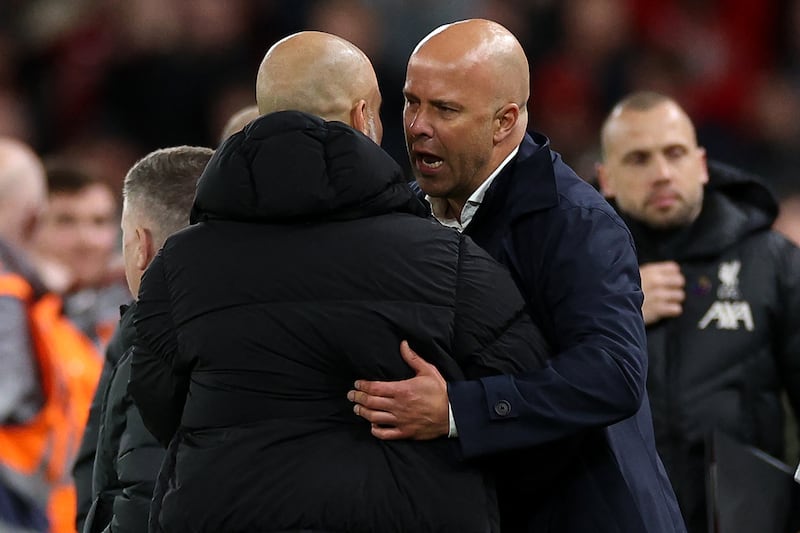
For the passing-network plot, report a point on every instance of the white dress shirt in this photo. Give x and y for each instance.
(439, 205)
(439, 210)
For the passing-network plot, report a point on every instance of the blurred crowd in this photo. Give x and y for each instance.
(94, 85)
(105, 81)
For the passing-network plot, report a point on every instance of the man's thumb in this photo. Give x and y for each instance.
(417, 363)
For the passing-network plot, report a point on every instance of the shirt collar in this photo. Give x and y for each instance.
(439, 205)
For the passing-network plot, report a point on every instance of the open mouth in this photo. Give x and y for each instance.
(429, 162)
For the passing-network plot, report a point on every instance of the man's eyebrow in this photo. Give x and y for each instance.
(636, 152)
(673, 146)
(445, 103)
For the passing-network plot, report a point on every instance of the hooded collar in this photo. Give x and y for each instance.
(292, 167)
(735, 205)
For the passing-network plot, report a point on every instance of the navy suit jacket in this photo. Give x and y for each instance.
(579, 432)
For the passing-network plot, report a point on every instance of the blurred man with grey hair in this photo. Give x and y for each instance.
(157, 196)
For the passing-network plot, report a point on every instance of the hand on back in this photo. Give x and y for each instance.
(415, 408)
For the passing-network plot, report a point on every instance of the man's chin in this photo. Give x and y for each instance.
(428, 184)
(667, 223)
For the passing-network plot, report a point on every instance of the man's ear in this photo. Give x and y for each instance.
(606, 184)
(29, 223)
(145, 248)
(358, 117)
(704, 162)
(506, 119)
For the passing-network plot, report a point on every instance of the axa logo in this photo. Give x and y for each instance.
(728, 315)
(729, 312)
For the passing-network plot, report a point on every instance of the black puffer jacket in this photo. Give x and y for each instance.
(308, 262)
(724, 362)
(82, 470)
(127, 457)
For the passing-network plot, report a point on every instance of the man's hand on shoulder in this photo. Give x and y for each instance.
(415, 408)
(663, 287)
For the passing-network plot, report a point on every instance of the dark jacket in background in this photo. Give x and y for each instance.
(593, 464)
(128, 456)
(723, 363)
(308, 262)
(84, 461)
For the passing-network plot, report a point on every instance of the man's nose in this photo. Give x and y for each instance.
(92, 234)
(663, 169)
(418, 124)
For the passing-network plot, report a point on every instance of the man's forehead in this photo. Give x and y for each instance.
(447, 75)
(649, 130)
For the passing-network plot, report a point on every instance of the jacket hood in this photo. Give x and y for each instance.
(736, 204)
(289, 167)
(746, 191)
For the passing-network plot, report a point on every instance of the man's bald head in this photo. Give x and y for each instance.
(465, 112)
(320, 74)
(486, 49)
(238, 121)
(23, 190)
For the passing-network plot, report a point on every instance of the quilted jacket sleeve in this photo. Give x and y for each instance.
(158, 391)
(493, 333)
(138, 462)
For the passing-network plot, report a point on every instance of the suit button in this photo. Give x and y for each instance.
(502, 408)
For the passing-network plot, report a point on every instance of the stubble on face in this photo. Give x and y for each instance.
(451, 152)
(681, 214)
(655, 166)
(458, 79)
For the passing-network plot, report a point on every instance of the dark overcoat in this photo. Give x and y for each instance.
(581, 428)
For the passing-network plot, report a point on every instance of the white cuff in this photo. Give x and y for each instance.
(452, 432)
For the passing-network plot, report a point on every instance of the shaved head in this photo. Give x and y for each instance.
(466, 94)
(22, 190)
(483, 47)
(640, 102)
(320, 74)
(238, 121)
(652, 165)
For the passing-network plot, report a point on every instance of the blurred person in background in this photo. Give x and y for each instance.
(75, 245)
(788, 221)
(716, 52)
(82, 68)
(581, 76)
(721, 291)
(123, 457)
(773, 151)
(48, 369)
(211, 47)
(238, 121)
(22, 196)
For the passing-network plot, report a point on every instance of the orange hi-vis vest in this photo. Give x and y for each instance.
(39, 453)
